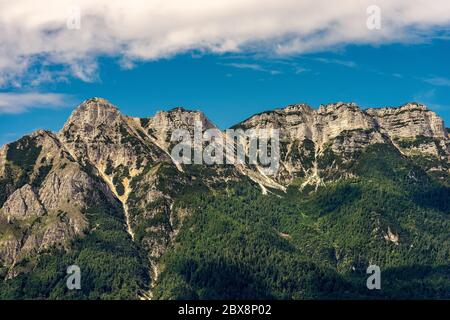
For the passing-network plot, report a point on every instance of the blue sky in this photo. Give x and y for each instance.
(231, 74)
(230, 88)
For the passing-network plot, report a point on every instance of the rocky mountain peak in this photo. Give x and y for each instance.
(98, 101)
(161, 126)
(42, 133)
(294, 108)
(180, 109)
(414, 105)
(338, 106)
(180, 117)
(95, 112)
(405, 108)
(94, 120)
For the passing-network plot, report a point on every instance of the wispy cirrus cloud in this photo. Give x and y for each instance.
(15, 103)
(437, 81)
(430, 99)
(35, 33)
(345, 63)
(252, 66)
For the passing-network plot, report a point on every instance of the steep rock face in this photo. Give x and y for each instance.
(45, 194)
(318, 144)
(333, 119)
(301, 122)
(349, 142)
(23, 204)
(163, 124)
(9, 247)
(414, 129)
(3, 151)
(69, 187)
(409, 120)
(306, 134)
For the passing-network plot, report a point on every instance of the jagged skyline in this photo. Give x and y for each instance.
(10, 139)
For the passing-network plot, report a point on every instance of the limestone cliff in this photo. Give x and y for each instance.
(342, 130)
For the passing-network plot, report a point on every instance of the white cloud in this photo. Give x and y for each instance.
(437, 81)
(35, 32)
(14, 103)
(429, 99)
(345, 63)
(252, 66)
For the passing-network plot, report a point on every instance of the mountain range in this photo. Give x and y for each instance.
(355, 187)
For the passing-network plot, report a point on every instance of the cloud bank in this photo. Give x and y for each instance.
(14, 103)
(41, 41)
